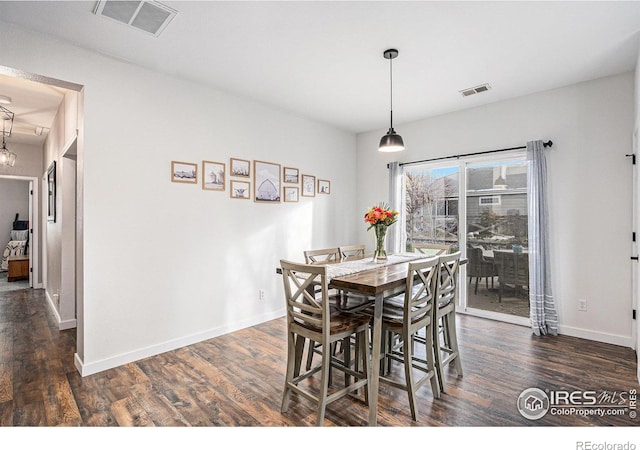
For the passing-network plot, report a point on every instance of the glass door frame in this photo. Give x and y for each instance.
(462, 163)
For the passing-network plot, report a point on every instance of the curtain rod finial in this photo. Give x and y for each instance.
(549, 143)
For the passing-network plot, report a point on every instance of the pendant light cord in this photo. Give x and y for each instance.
(391, 90)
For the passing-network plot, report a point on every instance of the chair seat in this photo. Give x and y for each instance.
(339, 322)
(350, 303)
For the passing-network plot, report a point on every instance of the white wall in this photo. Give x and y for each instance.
(168, 264)
(590, 125)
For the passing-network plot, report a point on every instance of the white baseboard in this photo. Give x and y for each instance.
(62, 324)
(118, 360)
(607, 338)
(615, 339)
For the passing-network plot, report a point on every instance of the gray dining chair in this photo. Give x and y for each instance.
(403, 318)
(445, 339)
(312, 318)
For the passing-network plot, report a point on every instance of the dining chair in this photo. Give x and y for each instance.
(429, 249)
(480, 267)
(320, 256)
(512, 269)
(351, 252)
(445, 339)
(403, 317)
(309, 317)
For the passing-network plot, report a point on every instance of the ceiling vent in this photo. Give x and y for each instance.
(147, 16)
(475, 90)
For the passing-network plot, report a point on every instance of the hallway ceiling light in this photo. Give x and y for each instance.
(391, 142)
(7, 158)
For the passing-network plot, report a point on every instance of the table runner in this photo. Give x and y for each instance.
(348, 267)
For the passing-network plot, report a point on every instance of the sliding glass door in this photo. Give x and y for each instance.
(497, 236)
(477, 206)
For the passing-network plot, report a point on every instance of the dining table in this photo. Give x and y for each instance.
(380, 281)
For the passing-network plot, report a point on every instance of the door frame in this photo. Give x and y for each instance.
(34, 227)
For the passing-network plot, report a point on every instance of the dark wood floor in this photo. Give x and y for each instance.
(236, 380)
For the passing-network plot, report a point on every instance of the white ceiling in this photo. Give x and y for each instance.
(323, 60)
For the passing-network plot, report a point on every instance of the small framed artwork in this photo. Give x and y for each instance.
(266, 182)
(308, 186)
(291, 175)
(240, 189)
(324, 187)
(240, 167)
(183, 172)
(51, 192)
(291, 194)
(213, 175)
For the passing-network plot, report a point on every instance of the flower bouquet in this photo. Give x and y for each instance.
(380, 217)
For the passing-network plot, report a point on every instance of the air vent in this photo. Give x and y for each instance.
(147, 16)
(475, 90)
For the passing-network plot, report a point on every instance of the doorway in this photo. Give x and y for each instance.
(20, 203)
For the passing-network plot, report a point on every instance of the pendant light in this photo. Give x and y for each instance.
(7, 158)
(391, 142)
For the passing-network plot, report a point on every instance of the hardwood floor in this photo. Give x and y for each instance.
(236, 380)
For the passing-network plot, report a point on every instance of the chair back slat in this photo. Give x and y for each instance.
(301, 283)
(429, 249)
(324, 255)
(448, 278)
(352, 252)
(420, 294)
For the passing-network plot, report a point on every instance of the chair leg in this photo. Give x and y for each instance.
(324, 387)
(291, 354)
(435, 383)
(346, 352)
(300, 341)
(476, 289)
(310, 352)
(453, 342)
(437, 356)
(364, 353)
(408, 375)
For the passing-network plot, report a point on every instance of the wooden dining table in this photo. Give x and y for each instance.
(381, 283)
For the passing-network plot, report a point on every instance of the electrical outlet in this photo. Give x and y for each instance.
(582, 304)
(261, 294)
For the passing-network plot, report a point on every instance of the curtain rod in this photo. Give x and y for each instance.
(545, 144)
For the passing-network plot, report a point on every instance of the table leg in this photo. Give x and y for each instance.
(374, 367)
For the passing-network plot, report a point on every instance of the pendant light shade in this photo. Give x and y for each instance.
(391, 142)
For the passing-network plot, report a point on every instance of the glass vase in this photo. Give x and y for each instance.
(380, 255)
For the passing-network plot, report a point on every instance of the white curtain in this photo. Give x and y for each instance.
(394, 233)
(543, 311)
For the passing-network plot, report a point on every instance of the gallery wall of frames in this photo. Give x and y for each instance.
(262, 181)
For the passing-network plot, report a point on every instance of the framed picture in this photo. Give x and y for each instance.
(240, 189)
(240, 167)
(266, 182)
(291, 194)
(308, 186)
(213, 175)
(51, 192)
(291, 175)
(324, 187)
(183, 172)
